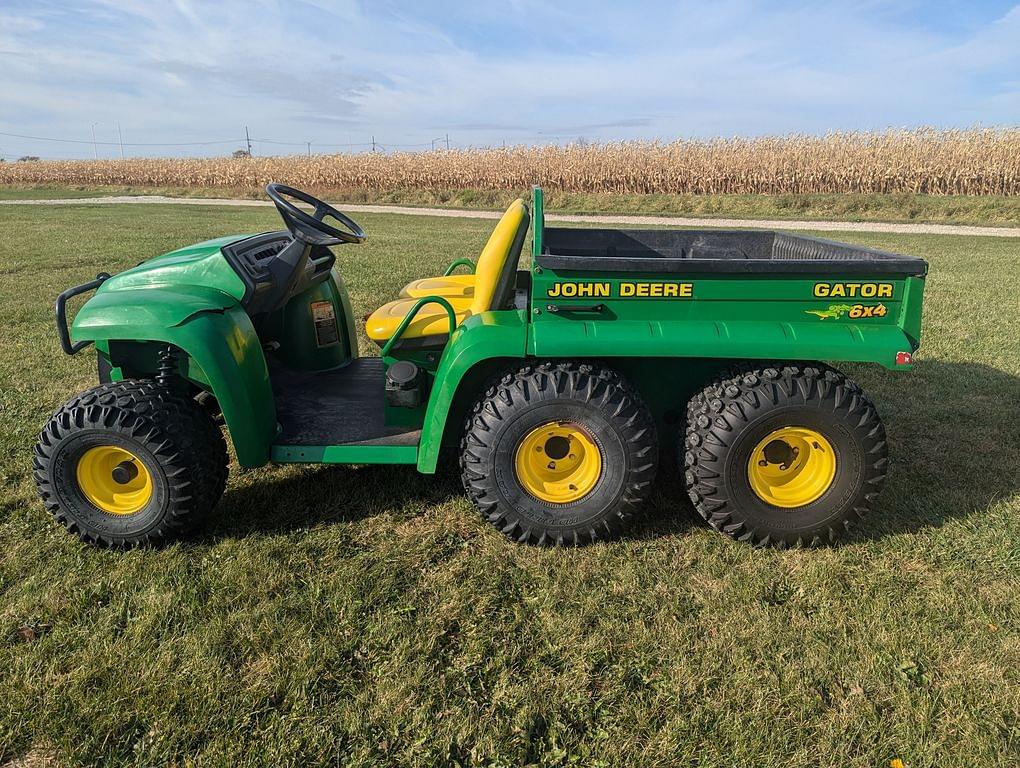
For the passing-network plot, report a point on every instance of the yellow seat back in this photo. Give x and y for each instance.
(504, 243)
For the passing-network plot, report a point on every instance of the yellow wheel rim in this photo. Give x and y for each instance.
(558, 462)
(792, 467)
(114, 480)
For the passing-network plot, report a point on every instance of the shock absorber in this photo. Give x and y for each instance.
(166, 371)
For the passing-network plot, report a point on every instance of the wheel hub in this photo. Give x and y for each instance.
(124, 472)
(114, 480)
(778, 452)
(558, 462)
(792, 467)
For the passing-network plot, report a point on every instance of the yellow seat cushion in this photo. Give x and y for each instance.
(431, 320)
(451, 286)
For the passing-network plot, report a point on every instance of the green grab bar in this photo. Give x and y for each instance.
(460, 263)
(414, 311)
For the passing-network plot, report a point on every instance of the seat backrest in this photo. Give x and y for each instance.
(497, 265)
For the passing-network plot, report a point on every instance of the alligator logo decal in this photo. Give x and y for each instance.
(835, 311)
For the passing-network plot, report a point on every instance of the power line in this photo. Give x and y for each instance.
(246, 140)
(271, 141)
(303, 143)
(126, 144)
(428, 144)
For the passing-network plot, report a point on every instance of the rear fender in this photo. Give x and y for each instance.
(480, 345)
(217, 335)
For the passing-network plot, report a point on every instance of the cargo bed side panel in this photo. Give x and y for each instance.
(825, 316)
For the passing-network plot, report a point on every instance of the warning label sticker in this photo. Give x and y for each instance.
(324, 318)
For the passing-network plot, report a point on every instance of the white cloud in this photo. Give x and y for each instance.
(337, 72)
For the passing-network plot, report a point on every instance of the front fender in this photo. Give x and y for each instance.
(216, 334)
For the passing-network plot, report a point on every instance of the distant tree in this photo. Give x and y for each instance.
(241, 154)
(28, 159)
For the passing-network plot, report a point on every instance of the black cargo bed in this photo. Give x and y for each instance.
(710, 250)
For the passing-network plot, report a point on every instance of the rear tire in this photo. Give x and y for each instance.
(741, 434)
(172, 464)
(559, 454)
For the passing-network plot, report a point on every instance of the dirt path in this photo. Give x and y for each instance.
(613, 219)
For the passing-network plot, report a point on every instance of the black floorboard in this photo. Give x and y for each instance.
(341, 407)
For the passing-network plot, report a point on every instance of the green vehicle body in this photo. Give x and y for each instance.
(191, 299)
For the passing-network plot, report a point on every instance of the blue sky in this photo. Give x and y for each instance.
(516, 71)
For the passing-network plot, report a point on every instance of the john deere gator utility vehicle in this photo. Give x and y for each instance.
(563, 384)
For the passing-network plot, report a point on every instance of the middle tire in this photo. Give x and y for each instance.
(559, 453)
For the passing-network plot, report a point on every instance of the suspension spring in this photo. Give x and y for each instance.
(166, 372)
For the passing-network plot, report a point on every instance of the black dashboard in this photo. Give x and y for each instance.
(252, 259)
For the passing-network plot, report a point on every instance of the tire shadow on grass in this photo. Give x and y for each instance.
(312, 495)
(319, 494)
(953, 431)
(668, 511)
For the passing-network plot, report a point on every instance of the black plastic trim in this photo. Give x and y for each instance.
(270, 281)
(61, 311)
(503, 294)
(236, 251)
(717, 251)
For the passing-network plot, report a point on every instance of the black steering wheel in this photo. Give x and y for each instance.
(311, 228)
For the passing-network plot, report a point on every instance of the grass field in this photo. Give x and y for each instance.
(367, 616)
(988, 210)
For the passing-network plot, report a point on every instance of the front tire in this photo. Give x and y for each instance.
(130, 463)
(559, 454)
(783, 454)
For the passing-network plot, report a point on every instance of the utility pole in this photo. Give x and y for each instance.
(95, 152)
(247, 138)
(121, 137)
(373, 142)
(309, 148)
(447, 142)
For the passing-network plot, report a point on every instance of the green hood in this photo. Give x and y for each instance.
(200, 265)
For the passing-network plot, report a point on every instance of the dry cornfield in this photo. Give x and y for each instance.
(926, 161)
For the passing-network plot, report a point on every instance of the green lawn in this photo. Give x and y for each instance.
(367, 616)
